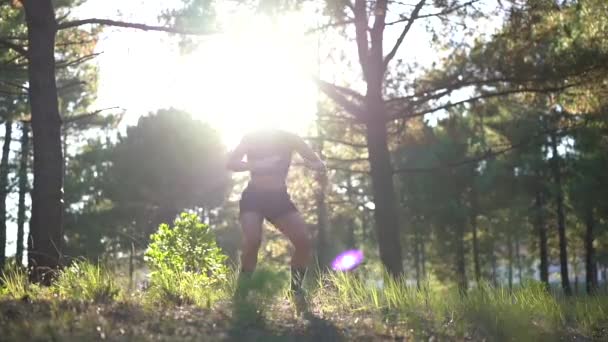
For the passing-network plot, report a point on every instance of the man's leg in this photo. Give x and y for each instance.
(293, 226)
(251, 223)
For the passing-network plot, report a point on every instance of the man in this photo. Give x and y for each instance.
(268, 158)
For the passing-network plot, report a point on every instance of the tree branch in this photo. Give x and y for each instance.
(406, 29)
(15, 47)
(336, 94)
(437, 14)
(336, 141)
(137, 26)
(360, 11)
(77, 61)
(79, 117)
(489, 154)
(480, 97)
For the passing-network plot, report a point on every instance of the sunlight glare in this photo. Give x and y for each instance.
(256, 75)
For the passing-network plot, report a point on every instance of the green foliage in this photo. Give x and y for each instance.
(86, 282)
(169, 162)
(171, 287)
(186, 262)
(14, 283)
(187, 247)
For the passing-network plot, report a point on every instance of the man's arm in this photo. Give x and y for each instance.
(311, 159)
(235, 159)
(236, 163)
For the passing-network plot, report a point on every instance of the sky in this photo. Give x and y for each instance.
(252, 74)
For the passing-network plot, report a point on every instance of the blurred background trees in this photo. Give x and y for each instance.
(488, 165)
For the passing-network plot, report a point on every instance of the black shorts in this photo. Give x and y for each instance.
(271, 204)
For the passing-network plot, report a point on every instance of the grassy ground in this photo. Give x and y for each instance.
(89, 303)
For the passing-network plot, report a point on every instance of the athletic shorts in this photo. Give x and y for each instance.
(271, 204)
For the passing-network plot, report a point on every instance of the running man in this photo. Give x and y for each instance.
(268, 157)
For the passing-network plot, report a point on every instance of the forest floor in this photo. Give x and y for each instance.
(122, 321)
(60, 320)
(90, 305)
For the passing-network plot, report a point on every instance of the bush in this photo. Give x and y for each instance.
(185, 261)
(87, 282)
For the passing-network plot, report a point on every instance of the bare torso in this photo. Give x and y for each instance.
(270, 145)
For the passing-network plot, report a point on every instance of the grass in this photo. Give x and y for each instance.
(87, 302)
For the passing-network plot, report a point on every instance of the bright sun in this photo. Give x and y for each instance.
(256, 73)
(259, 74)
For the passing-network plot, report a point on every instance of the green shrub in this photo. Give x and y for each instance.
(86, 282)
(185, 261)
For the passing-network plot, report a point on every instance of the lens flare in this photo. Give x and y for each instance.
(347, 261)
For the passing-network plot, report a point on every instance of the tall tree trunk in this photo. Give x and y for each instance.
(510, 259)
(4, 188)
(385, 212)
(473, 219)
(518, 259)
(46, 233)
(422, 258)
(561, 223)
(417, 255)
(350, 238)
(542, 239)
(23, 188)
(494, 266)
(460, 259)
(322, 217)
(590, 267)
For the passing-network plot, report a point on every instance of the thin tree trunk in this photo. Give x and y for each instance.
(510, 260)
(417, 255)
(494, 267)
(561, 223)
(518, 259)
(350, 238)
(590, 270)
(45, 241)
(605, 278)
(422, 258)
(131, 266)
(4, 188)
(460, 260)
(23, 188)
(477, 266)
(473, 219)
(542, 239)
(322, 217)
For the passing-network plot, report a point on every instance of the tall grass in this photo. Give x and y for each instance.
(15, 283)
(526, 313)
(86, 282)
(181, 288)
